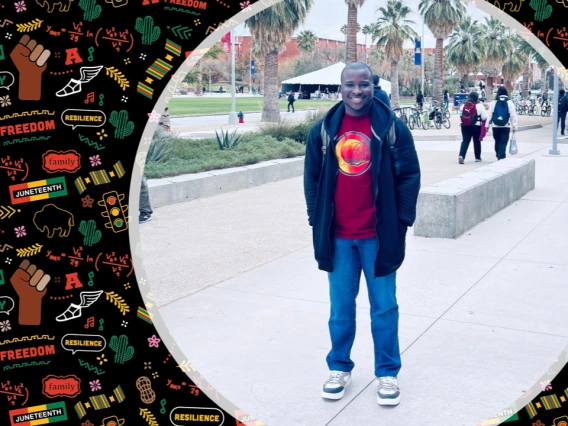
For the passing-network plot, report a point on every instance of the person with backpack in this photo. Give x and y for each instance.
(562, 109)
(420, 100)
(379, 93)
(503, 118)
(472, 115)
(361, 184)
(291, 101)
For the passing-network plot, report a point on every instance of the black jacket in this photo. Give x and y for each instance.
(291, 98)
(419, 99)
(563, 104)
(395, 185)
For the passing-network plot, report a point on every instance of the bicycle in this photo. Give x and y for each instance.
(426, 122)
(546, 108)
(440, 117)
(414, 119)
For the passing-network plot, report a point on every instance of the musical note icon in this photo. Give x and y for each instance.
(101, 322)
(101, 97)
(90, 97)
(91, 51)
(91, 276)
(163, 404)
(90, 322)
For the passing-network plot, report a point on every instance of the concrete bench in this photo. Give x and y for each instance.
(189, 187)
(450, 208)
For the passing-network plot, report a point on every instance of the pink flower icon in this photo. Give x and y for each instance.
(245, 5)
(95, 160)
(20, 6)
(545, 385)
(95, 385)
(154, 117)
(20, 231)
(154, 341)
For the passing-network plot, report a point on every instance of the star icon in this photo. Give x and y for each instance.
(88, 201)
(154, 117)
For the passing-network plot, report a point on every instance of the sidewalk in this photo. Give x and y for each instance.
(478, 315)
(205, 126)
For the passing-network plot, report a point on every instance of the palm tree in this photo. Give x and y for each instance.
(367, 29)
(307, 41)
(499, 45)
(543, 65)
(274, 26)
(516, 63)
(352, 28)
(528, 53)
(466, 48)
(393, 29)
(441, 17)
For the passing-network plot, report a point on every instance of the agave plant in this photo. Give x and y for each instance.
(160, 147)
(228, 141)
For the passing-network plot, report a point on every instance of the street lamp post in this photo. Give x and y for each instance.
(554, 150)
(233, 118)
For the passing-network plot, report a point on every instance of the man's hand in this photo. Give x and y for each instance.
(30, 59)
(30, 284)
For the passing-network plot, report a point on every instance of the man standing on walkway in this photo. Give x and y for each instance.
(420, 100)
(562, 110)
(291, 101)
(361, 183)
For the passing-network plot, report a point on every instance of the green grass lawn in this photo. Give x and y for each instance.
(204, 105)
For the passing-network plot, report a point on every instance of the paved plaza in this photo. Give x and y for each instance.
(241, 294)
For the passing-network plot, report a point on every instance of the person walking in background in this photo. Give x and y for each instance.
(446, 100)
(379, 93)
(562, 110)
(291, 101)
(361, 183)
(472, 115)
(420, 100)
(503, 118)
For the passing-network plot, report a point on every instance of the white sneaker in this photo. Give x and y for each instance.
(388, 392)
(334, 387)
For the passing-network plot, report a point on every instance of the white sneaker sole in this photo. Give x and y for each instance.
(336, 396)
(388, 401)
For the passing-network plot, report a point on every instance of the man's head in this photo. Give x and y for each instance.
(561, 92)
(357, 88)
(376, 80)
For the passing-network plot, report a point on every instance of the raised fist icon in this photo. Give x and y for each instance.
(30, 59)
(30, 284)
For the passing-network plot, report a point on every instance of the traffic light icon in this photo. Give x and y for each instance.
(115, 211)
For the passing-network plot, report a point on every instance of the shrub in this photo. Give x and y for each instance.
(279, 130)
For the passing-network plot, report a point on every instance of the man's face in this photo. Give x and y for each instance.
(357, 91)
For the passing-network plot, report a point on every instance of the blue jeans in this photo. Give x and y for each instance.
(349, 258)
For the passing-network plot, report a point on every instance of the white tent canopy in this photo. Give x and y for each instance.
(329, 76)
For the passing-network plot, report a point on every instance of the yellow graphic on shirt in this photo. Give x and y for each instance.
(353, 152)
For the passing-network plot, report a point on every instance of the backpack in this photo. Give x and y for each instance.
(501, 112)
(325, 139)
(469, 114)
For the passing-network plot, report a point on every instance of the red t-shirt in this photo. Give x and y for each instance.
(354, 201)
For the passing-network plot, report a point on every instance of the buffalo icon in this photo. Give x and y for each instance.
(64, 5)
(51, 218)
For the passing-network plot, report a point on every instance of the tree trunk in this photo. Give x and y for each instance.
(489, 87)
(270, 109)
(438, 76)
(199, 83)
(395, 99)
(465, 81)
(526, 81)
(351, 47)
